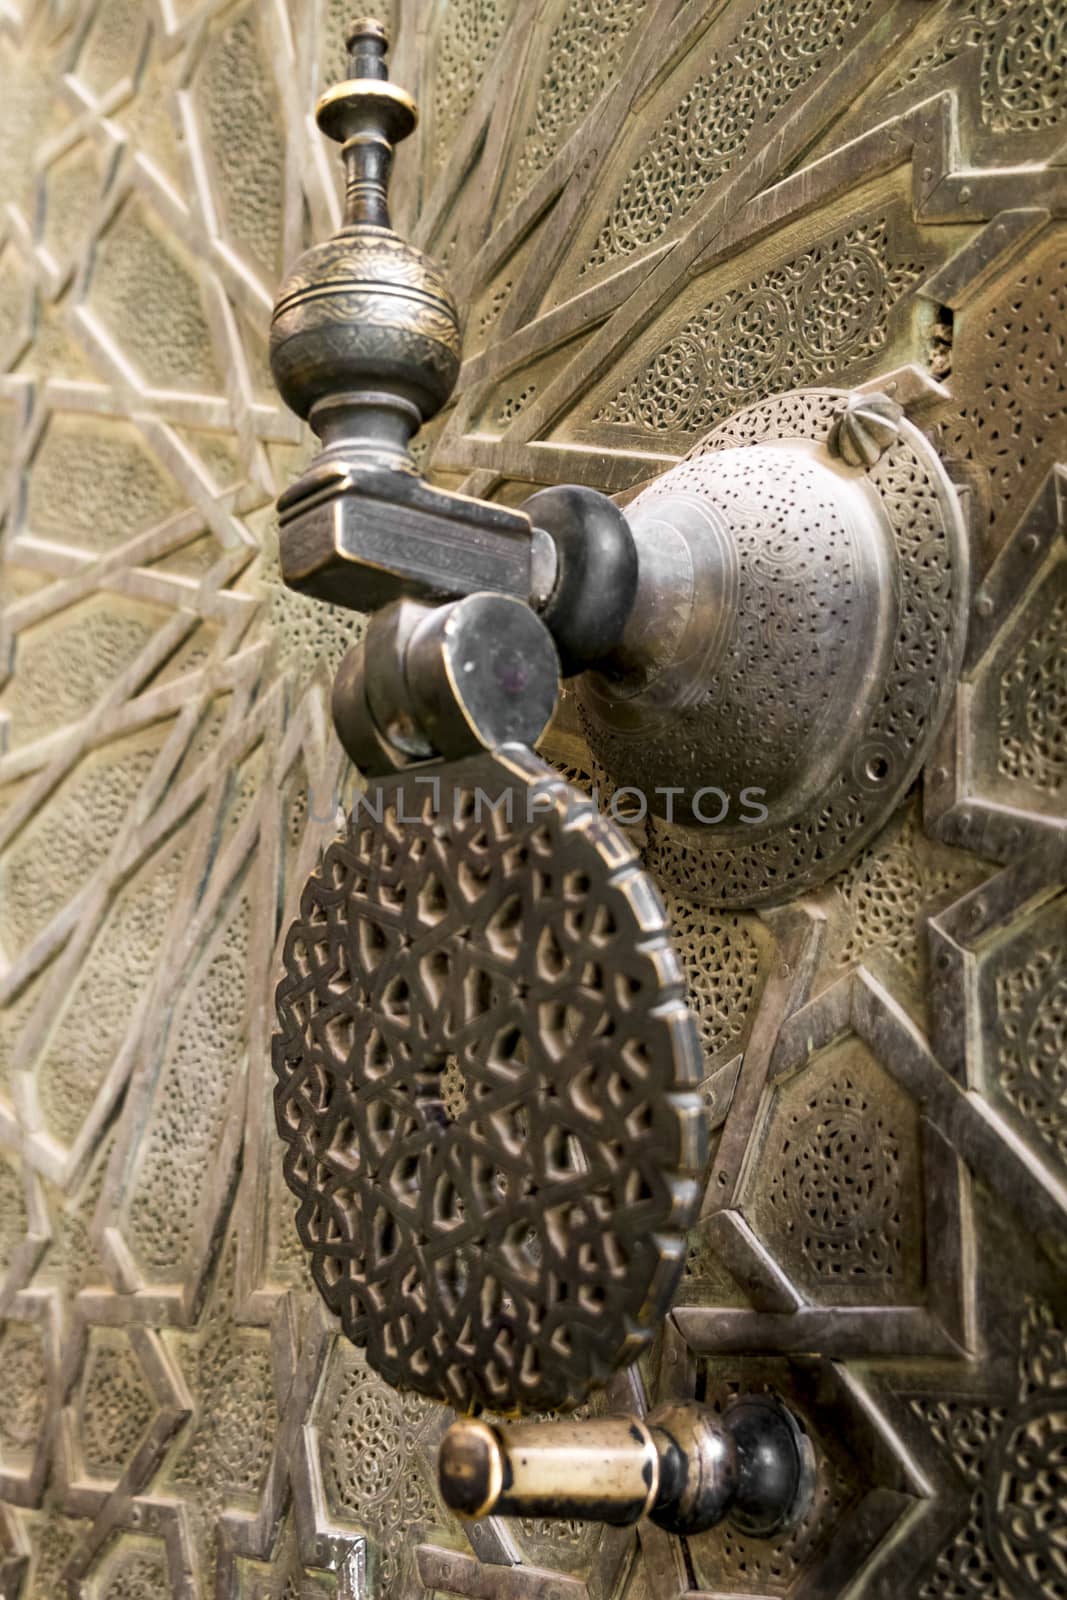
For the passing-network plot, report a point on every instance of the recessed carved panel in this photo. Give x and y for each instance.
(1009, 50)
(992, 1443)
(1022, 692)
(225, 1450)
(879, 905)
(51, 858)
(52, 1539)
(72, 188)
(204, 1054)
(377, 1461)
(136, 1569)
(114, 1406)
(241, 120)
(582, 57)
(750, 79)
(13, 1216)
(721, 957)
(1011, 414)
(467, 34)
(799, 324)
(1033, 720)
(112, 44)
(65, 665)
(25, 1379)
(839, 1193)
(1023, 998)
(143, 282)
(94, 482)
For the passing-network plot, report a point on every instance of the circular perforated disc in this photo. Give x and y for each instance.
(486, 1075)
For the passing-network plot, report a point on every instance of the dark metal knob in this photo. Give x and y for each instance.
(448, 680)
(594, 579)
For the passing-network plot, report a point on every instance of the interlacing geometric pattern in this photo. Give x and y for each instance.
(829, 307)
(658, 215)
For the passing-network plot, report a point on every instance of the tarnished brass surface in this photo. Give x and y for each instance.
(660, 216)
(687, 1468)
(603, 1471)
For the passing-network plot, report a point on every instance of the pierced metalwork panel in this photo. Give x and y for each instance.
(495, 1227)
(659, 215)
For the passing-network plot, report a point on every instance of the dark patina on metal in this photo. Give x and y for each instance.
(486, 1084)
(365, 345)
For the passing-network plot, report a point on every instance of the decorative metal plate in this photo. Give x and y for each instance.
(876, 724)
(485, 1081)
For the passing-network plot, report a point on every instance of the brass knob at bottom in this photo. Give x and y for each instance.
(687, 1467)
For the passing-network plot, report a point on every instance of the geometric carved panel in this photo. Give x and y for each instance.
(1023, 1010)
(837, 1192)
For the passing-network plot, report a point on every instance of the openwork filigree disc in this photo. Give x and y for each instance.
(486, 1075)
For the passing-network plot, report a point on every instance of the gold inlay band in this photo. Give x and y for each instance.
(366, 89)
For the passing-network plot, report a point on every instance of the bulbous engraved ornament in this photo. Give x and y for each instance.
(365, 345)
(487, 1087)
(365, 311)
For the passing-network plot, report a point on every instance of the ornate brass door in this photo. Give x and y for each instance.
(659, 214)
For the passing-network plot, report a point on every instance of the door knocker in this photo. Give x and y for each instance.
(486, 1067)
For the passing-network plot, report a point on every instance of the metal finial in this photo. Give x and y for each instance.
(366, 40)
(367, 115)
(365, 333)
